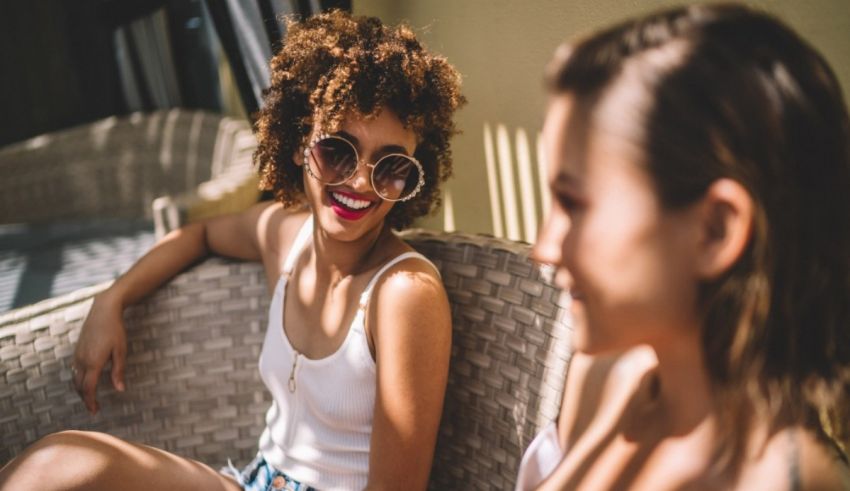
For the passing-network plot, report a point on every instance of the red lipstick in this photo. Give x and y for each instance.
(344, 211)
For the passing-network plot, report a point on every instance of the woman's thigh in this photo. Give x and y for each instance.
(95, 461)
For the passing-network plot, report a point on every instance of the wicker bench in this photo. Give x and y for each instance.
(75, 204)
(117, 166)
(194, 389)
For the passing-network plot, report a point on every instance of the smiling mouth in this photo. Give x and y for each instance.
(350, 202)
(348, 206)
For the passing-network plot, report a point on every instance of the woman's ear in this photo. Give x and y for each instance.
(298, 157)
(726, 214)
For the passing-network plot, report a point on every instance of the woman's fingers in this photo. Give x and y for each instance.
(89, 390)
(102, 338)
(85, 377)
(119, 354)
(77, 377)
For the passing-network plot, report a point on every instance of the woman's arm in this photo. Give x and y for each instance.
(596, 390)
(410, 324)
(103, 337)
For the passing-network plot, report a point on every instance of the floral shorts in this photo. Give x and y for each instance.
(260, 476)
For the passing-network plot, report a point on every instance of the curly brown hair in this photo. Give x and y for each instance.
(333, 64)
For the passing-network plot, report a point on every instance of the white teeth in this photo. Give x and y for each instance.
(354, 204)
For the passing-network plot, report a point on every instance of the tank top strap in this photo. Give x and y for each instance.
(367, 292)
(305, 233)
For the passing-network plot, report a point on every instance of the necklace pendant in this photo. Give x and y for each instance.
(291, 382)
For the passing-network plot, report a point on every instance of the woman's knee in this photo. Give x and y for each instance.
(68, 457)
(55, 446)
(60, 444)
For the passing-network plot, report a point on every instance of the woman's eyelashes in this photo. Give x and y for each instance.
(568, 201)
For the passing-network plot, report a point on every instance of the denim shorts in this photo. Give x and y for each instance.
(260, 476)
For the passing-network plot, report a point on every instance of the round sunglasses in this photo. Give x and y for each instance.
(394, 177)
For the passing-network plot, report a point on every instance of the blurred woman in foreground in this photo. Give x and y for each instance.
(700, 173)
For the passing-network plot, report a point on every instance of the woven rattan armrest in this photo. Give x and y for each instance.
(229, 193)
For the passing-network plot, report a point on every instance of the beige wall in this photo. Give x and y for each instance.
(501, 46)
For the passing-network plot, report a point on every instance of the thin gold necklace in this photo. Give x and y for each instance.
(291, 383)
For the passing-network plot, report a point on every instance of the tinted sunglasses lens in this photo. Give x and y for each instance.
(395, 177)
(335, 160)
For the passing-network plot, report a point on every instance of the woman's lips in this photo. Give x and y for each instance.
(349, 206)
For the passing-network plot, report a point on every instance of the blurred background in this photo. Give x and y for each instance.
(501, 47)
(73, 71)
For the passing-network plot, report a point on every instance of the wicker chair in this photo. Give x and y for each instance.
(194, 389)
(116, 167)
(75, 205)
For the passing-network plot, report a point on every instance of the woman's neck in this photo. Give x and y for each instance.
(335, 260)
(682, 388)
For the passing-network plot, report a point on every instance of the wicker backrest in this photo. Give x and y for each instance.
(193, 385)
(510, 349)
(191, 373)
(117, 166)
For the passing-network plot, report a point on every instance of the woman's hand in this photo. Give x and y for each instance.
(102, 338)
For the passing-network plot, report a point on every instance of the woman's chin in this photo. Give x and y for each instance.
(591, 339)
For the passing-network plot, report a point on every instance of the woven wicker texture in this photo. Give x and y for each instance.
(233, 188)
(193, 385)
(510, 349)
(117, 166)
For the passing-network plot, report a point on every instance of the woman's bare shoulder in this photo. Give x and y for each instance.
(411, 282)
(599, 386)
(410, 289)
(821, 463)
(406, 273)
(275, 229)
(277, 226)
(798, 459)
(273, 216)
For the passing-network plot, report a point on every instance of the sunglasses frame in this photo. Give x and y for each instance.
(325, 136)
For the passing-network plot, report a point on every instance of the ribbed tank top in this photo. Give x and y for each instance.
(540, 459)
(319, 426)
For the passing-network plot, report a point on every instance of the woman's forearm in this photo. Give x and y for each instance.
(171, 255)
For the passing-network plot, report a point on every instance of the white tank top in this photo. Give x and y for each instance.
(540, 459)
(319, 426)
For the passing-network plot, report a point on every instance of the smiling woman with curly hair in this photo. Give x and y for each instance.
(332, 65)
(353, 142)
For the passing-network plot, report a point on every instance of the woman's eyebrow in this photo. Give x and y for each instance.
(386, 149)
(564, 179)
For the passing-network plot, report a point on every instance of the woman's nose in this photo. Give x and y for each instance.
(361, 180)
(549, 246)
